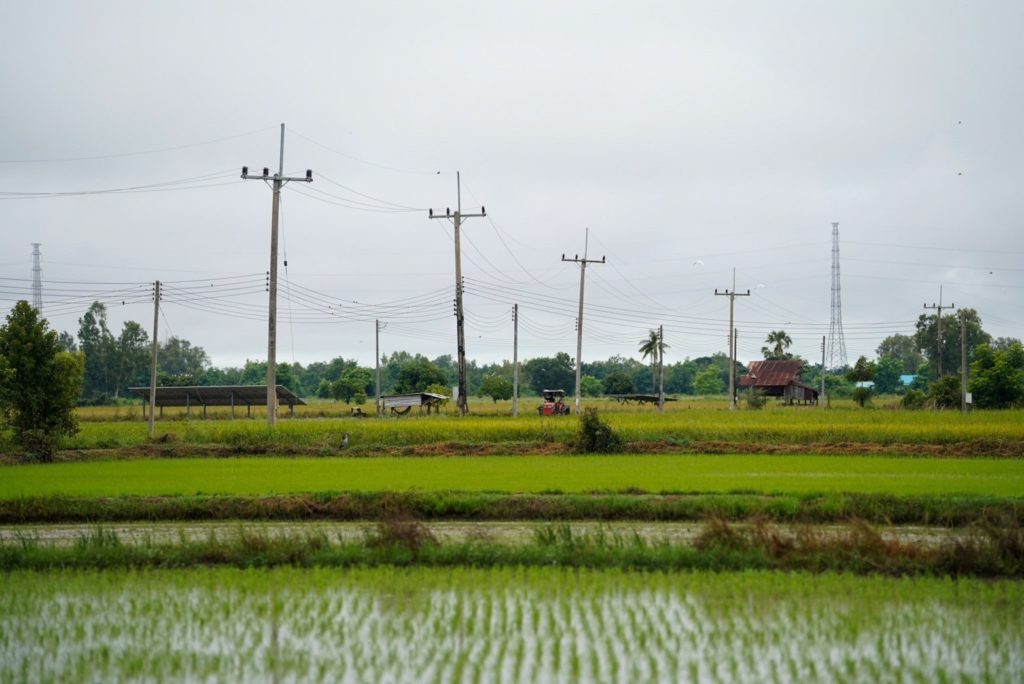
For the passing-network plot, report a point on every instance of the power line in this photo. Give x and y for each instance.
(935, 248)
(134, 154)
(363, 161)
(177, 184)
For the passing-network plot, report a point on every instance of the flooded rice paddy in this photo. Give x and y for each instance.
(504, 625)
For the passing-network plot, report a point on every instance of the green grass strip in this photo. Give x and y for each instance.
(883, 509)
(994, 551)
(519, 474)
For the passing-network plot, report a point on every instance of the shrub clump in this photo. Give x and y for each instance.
(594, 435)
(755, 399)
(914, 399)
(401, 531)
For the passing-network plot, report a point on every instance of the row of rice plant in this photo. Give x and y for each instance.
(507, 624)
(519, 474)
(679, 428)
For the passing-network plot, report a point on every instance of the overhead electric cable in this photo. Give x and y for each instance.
(136, 154)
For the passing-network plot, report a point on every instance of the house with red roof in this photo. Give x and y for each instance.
(782, 379)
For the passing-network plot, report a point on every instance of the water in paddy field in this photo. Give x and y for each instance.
(513, 624)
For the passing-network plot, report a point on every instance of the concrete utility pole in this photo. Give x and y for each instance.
(152, 365)
(661, 369)
(963, 361)
(515, 360)
(938, 317)
(821, 396)
(279, 179)
(579, 319)
(460, 314)
(732, 295)
(735, 355)
(379, 327)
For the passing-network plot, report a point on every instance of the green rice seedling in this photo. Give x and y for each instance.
(520, 474)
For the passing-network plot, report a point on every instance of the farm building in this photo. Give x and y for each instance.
(782, 379)
(216, 395)
(401, 404)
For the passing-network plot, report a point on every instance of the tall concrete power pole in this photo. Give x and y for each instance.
(579, 319)
(661, 369)
(515, 360)
(821, 395)
(460, 314)
(938, 321)
(378, 327)
(732, 295)
(963, 361)
(278, 181)
(153, 353)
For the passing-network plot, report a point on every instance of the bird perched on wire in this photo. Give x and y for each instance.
(344, 441)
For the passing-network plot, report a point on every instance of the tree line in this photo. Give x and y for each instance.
(112, 363)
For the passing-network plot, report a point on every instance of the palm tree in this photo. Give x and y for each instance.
(778, 342)
(653, 347)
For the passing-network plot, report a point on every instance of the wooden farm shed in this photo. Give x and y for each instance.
(401, 404)
(782, 379)
(216, 395)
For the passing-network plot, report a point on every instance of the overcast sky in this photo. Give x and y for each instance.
(690, 138)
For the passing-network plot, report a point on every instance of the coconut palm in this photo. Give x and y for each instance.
(653, 347)
(778, 342)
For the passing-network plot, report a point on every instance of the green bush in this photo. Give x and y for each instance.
(913, 399)
(594, 435)
(755, 400)
(945, 393)
(861, 395)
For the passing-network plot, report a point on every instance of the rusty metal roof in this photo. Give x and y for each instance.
(772, 373)
(217, 395)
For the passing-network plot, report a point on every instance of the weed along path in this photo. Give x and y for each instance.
(497, 532)
(521, 474)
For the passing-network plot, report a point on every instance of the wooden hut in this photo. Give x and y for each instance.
(781, 379)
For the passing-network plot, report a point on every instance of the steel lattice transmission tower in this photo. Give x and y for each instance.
(37, 279)
(836, 357)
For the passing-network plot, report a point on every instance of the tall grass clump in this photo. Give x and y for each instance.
(594, 435)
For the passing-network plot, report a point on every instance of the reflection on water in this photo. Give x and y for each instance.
(510, 624)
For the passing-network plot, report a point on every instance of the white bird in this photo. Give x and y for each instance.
(698, 262)
(344, 441)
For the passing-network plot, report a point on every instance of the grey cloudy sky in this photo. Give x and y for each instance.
(690, 138)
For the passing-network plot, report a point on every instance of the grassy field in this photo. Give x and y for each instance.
(506, 624)
(398, 606)
(1000, 431)
(664, 473)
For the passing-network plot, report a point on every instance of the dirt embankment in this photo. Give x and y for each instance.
(171, 450)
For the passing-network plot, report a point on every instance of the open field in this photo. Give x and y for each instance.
(664, 473)
(708, 429)
(742, 587)
(507, 624)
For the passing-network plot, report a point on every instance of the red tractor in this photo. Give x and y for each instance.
(554, 404)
